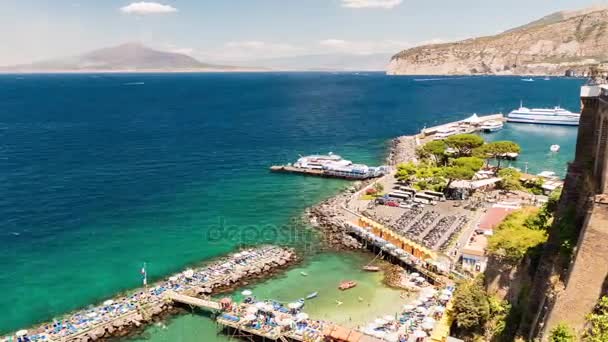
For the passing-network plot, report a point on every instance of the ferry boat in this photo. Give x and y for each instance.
(492, 126)
(445, 132)
(331, 165)
(554, 116)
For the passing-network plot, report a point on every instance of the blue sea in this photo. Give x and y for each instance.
(101, 173)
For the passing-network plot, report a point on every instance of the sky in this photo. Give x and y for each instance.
(233, 30)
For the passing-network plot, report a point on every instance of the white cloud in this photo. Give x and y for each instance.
(144, 8)
(387, 4)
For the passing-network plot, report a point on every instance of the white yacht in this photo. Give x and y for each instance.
(445, 132)
(553, 116)
(491, 126)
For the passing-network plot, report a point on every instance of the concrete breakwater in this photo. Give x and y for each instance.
(121, 315)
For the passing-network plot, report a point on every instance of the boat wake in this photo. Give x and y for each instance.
(134, 83)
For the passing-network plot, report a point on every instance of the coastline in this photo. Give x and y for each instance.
(128, 313)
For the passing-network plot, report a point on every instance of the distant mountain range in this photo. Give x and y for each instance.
(569, 40)
(126, 57)
(134, 57)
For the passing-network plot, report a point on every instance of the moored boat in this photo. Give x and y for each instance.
(369, 268)
(345, 285)
(555, 148)
(492, 126)
(312, 295)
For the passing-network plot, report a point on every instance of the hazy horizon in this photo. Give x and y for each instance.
(246, 31)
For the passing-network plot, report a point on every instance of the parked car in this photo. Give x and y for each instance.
(392, 204)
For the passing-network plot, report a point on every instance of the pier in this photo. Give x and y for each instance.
(318, 172)
(119, 315)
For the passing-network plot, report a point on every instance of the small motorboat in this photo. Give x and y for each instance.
(312, 295)
(527, 79)
(345, 285)
(304, 274)
(555, 148)
(369, 268)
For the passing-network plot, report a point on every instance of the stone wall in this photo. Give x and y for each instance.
(568, 294)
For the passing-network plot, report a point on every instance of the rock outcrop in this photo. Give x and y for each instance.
(550, 46)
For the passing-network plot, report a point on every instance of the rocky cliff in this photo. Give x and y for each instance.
(549, 46)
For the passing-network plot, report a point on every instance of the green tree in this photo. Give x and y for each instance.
(514, 237)
(472, 163)
(510, 179)
(495, 149)
(457, 173)
(378, 187)
(598, 322)
(406, 172)
(434, 149)
(471, 307)
(562, 333)
(464, 143)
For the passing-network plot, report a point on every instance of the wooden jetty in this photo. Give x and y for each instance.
(193, 301)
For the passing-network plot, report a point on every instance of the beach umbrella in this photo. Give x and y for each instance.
(285, 322)
(302, 316)
(422, 310)
(173, 278)
(429, 320)
(189, 273)
(419, 333)
(429, 290)
(247, 293)
(21, 333)
(252, 309)
(428, 326)
(108, 302)
(380, 321)
(250, 317)
(92, 314)
(414, 275)
(260, 305)
(408, 307)
(446, 292)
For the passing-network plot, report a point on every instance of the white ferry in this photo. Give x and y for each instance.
(492, 126)
(445, 132)
(333, 165)
(554, 116)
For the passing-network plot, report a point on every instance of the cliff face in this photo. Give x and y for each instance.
(545, 47)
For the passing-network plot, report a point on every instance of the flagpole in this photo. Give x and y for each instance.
(145, 276)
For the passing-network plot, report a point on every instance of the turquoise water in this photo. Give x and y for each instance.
(99, 176)
(370, 299)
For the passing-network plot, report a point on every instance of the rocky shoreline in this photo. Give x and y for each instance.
(151, 307)
(327, 216)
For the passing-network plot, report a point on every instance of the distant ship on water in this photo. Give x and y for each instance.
(549, 116)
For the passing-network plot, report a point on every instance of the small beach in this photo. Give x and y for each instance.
(325, 272)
